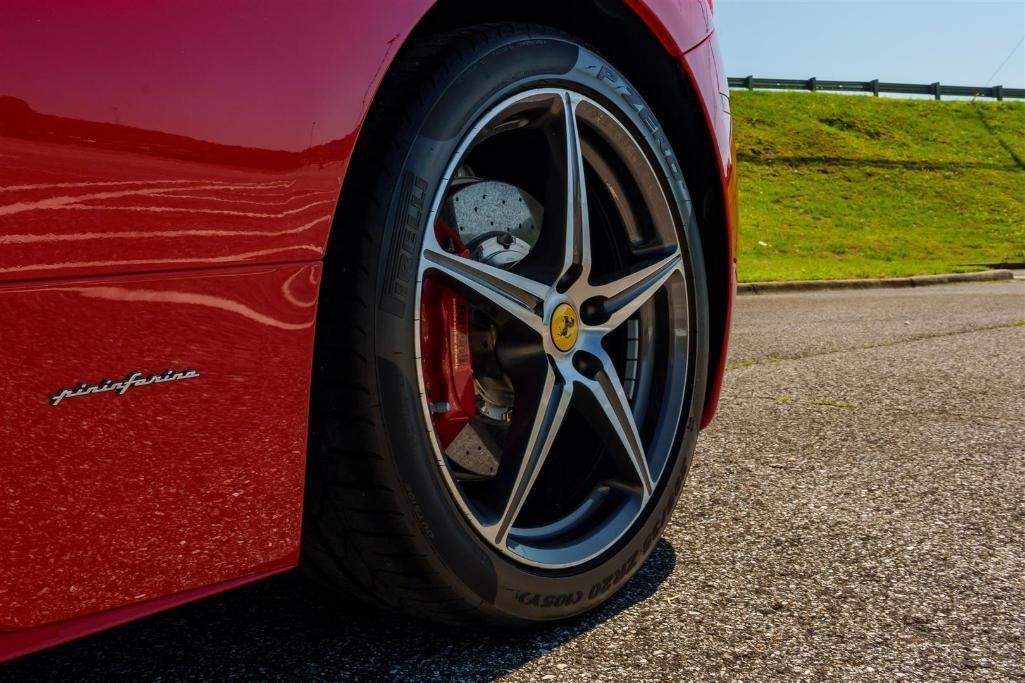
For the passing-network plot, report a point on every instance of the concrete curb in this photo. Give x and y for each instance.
(880, 283)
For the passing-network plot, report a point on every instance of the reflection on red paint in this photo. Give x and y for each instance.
(165, 138)
(111, 499)
(678, 24)
(141, 137)
(126, 211)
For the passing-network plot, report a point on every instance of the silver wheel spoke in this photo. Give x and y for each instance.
(555, 399)
(518, 296)
(577, 251)
(608, 392)
(624, 295)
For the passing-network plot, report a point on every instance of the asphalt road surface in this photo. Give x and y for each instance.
(856, 512)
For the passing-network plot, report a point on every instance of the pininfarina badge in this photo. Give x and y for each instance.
(132, 379)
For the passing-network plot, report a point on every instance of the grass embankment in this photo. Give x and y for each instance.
(835, 186)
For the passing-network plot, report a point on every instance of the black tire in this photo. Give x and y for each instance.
(379, 522)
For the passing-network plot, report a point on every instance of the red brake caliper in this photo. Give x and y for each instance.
(445, 346)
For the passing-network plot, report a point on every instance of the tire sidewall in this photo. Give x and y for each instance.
(507, 590)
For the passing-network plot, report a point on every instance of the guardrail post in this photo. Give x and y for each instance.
(998, 92)
(750, 82)
(936, 89)
(811, 84)
(875, 87)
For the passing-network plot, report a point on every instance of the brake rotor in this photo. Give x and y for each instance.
(497, 221)
(470, 398)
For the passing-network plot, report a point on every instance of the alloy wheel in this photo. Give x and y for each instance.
(572, 309)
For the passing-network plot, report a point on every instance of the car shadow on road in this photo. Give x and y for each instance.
(283, 628)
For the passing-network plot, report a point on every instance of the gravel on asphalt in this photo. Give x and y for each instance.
(856, 511)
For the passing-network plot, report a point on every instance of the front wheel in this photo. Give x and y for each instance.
(512, 343)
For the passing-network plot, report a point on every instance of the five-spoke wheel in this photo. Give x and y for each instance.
(590, 330)
(512, 335)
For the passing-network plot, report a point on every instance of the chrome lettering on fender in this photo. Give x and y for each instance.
(133, 379)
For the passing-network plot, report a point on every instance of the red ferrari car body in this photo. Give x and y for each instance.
(168, 179)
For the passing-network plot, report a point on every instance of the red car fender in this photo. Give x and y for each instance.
(170, 174)
(686, 33)
(703, 65)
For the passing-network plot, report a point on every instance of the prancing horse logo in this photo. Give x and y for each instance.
(564, 327)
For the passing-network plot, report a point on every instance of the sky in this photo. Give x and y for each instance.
(956, 42)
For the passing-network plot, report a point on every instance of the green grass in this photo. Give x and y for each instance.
(836, 186)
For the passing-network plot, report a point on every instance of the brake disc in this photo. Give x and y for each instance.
(498, 223)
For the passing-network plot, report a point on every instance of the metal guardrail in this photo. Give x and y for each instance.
(876, 87)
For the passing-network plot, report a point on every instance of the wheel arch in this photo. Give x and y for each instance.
(647, 46)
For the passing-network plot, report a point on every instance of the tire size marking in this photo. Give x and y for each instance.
(615, 578)
(549, 600)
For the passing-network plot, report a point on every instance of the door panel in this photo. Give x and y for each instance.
(167, 135)
(168, 175)
(117, 497)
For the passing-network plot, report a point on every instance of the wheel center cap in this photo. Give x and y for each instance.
(564, 327)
